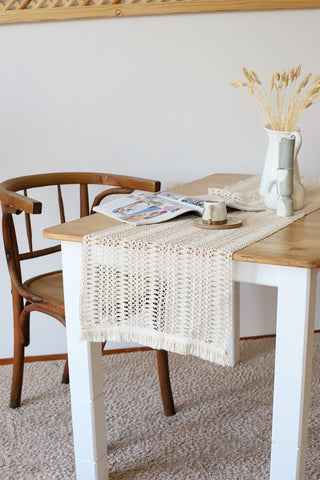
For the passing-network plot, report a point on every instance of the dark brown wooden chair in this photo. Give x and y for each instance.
(44, 293)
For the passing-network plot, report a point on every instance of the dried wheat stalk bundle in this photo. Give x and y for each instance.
(286, 98)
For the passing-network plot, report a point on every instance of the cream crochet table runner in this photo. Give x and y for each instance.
(169, 285)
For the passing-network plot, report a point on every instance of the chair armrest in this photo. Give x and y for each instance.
(18, 202)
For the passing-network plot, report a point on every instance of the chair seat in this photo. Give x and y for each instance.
(48, 286)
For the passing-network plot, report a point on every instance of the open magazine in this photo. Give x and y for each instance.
(143, 208)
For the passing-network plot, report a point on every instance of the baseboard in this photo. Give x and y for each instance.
(63, 356)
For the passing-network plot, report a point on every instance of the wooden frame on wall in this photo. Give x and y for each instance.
(13, 11)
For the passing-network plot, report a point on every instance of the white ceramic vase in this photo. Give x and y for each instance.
(269, 186)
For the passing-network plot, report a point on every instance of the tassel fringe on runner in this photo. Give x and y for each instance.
(158, 341)
(169, 285)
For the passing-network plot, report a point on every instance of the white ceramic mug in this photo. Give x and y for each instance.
(214, 212)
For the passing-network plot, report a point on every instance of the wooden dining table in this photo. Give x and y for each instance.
(288, 260)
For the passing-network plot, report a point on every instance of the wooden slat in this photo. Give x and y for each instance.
(84, 200)
(40, 3)
(8, 5)
(61, 206)
(54, 3)
(28, 226)
(24, 4)
(39, 253)
(55, 12)
(70, 3)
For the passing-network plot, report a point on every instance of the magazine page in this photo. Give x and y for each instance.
(143, 208)
(197, 202)
(193, 203)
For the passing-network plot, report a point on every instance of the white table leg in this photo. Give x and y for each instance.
(234, 345)
(86, 379)
(293, 362)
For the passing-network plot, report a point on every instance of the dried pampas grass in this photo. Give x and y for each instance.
(287, 98)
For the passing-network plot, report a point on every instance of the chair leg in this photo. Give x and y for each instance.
(65, 375)
(18, 354)
(165, 385)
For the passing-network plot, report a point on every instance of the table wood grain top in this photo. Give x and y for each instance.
(297, 245)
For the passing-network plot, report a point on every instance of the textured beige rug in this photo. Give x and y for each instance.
(221, 431)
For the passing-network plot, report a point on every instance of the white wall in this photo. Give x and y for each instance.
(149, 97)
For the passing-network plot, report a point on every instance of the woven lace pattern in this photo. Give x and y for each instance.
(169, 285)
(245, 191)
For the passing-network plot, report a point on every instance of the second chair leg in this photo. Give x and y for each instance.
(165, 385)
(18, 355)
(65, 375)
(17, 375)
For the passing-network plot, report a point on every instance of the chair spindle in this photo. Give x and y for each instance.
(28, 226)
(84, 200)
(61, 206)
